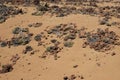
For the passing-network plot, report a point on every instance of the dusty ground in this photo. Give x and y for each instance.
(92, 65)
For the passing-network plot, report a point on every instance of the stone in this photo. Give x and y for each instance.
(37, 37)
(102, 40)
(16, 30)
(6, 68)
(68, 44)
(3, 44)
(28, 48)
(2, 19)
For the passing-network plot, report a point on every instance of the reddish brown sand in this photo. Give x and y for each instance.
(91, 64)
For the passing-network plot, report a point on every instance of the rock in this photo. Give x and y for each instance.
(3, 44)
(102, 40)
(82, 77)
(53, 49)
(42, 8)
(53, 40)
(38, 13)
(65, 78)
(60, 15)
(16, 42)
(15, 58)
(113, 54)
(36, 2)
(28, 48)
(35, 25)
(70, 36)
(6, 68)
(6, 11)
(25, 40)
(75, 66)
(25, 30)
(16, 30)
(68, 44)
(20, 41)
(37, 37)
(2, 19)
(72, 77)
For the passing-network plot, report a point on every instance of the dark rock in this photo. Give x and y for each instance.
(113, 54)
(65, 78)
(53, 49)
(35, 25)
(68, 44)
(75, 66)
(82, 77)
(16, 30)
(6, 11)
(37, 37)
(3, 44)
(2, 19)
(25, 40)
(28, 48)
(102, 40)
(6, 68)
(53, 40)
(15, 58)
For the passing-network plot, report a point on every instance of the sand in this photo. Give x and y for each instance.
(92, 65)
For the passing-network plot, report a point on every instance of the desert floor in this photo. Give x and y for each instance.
(92, 65)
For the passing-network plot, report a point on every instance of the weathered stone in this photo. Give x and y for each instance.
(28, 48)
(38, 37)
(68, 44)
(6, 68)
(3, 44)
(16, 30)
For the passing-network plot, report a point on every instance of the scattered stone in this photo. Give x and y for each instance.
(105, 21)
(52, 49)
(37, 37)
(75, 66)
(6, 11)
(102, 40)
(27, 49)
(68, 44)
(15, 58)
(22, 79)
(82, 77)
(2, 19)
(65, 78)
(35, 25)
(3, 44)
(82, 33)
(53, 40)
(6, 68)
(73, 77)
(113, 54)
(16, 30)
(98, 64)
(20, 41)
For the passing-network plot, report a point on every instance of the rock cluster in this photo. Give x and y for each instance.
(6, 68)
(6, 11)
(66, 31)
(35, 25)
(21, 37)
(15, 58)
(27, 49)
(73, 77)
(102, 40)
(65, 10)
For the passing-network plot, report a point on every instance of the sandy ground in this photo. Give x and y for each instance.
(35, 68)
